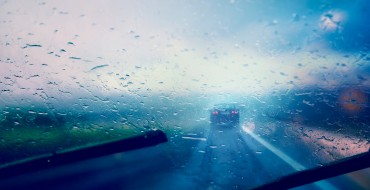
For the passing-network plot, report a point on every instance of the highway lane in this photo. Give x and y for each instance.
(231, 159)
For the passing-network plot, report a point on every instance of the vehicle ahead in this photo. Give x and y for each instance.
(224, 114)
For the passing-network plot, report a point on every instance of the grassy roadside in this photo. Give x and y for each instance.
(26, 132)
(28, 141)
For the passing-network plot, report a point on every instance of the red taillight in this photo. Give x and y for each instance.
(234, 112)
(215, 112)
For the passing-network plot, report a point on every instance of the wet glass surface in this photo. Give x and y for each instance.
(75, 74)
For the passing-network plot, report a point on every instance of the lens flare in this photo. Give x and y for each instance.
(353, 100)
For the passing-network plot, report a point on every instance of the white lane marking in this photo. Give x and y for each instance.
(294, 164)
(195, 138)
(287, 159)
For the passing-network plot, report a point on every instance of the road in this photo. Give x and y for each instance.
(232, 159)
(219, 157)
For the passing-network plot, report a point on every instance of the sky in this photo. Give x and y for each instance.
(64, 49)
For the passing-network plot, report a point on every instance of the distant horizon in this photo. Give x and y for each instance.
(65, 50)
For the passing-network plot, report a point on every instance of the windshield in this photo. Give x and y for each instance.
(76, 74)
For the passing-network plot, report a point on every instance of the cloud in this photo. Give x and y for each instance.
(184, 47)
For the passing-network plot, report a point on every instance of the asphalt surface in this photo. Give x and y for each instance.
(220, 157)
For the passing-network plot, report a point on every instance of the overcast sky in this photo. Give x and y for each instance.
(65, 48)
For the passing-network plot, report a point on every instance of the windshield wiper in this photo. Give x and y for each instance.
(351, 164)
(149, 138)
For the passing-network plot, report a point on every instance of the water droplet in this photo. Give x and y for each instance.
(32, 142)
(99, 66)
(32, 45)
(76, 58)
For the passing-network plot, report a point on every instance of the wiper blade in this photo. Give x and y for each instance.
(149, 138)
(351, 164)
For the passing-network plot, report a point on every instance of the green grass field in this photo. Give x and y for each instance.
(24, 141)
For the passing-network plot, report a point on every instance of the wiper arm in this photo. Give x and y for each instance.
(351, 164)
(147, 139)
